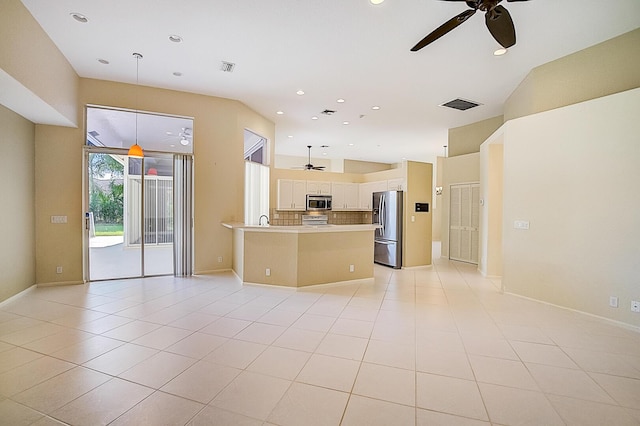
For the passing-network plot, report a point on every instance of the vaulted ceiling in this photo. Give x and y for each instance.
(330, 49)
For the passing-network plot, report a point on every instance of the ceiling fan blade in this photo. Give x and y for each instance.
(444, 28)
(501, 26)
(511, 1)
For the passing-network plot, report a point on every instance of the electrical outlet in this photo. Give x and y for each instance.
(267, 272)
(58, 269)
(635, 306)
(613, 301)
(219, 259)
(352, 268)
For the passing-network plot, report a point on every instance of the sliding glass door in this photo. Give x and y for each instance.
(138, 217)
(130, 219)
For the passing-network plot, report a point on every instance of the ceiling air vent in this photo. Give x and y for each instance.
(328, 112)
(460, 104)
(227, 66)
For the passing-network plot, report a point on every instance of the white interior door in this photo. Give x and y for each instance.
(464, 220)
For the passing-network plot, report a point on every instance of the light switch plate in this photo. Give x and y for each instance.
(521, 224)
(58, 219)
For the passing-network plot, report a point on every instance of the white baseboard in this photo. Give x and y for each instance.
(60, 283)
(18, 295)
(628, 326)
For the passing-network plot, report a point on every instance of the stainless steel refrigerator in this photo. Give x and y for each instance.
(387, 212)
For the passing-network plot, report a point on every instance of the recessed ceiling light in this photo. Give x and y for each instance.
(79, 17)
(169, 133)
(324, 153)
(346, 123)
(376, 1)
(175, 38)
(314, 118)
(184, 141)
(279, 112)
(103, 61)
(375, 107)
(350, 144)
(172, 145)
(340, 101)
(290, 136)
(300, 92)
(500, 52)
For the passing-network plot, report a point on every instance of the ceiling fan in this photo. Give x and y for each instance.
(497, 19)
(310, 166)
(184, 136)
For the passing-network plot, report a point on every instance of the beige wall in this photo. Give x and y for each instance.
(491, 205)
(354, 166)
(467, 139)
(417, 242)
(218, 174)
(460, 169)
(35, 66)
(58, 176)
(609, 67)
(17, 246)
(437, 200)
(572, 173)
(298, 260)
(398, 171)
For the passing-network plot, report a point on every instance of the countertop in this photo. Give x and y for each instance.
(300, 229)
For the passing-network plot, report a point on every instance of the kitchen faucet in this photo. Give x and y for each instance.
(260, 220)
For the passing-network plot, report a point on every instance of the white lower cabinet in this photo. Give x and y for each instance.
(292, 194)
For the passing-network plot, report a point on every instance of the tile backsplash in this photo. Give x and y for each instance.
(292, 218)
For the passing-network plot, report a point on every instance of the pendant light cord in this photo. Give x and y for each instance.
(138, 56)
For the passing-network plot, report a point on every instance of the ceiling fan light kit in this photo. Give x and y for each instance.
(497, 19)
(310, 166)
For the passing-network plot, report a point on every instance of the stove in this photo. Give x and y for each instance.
(315, 220)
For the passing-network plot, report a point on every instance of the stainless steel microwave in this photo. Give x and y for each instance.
(318, 202)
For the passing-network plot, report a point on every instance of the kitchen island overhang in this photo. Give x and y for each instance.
(301, 256)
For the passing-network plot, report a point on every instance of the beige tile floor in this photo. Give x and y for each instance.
(427, 346)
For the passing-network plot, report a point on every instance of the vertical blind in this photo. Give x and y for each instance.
(183, 215)
(256, 192)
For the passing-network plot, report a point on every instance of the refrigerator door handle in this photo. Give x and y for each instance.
(386, 243)
(382, 207)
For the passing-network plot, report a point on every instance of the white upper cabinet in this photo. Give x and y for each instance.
(398, 184)
(319, 188)
(366, 193)
(292, 194)
(352, 196)
(345, 196)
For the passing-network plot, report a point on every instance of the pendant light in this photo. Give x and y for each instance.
(136, 150)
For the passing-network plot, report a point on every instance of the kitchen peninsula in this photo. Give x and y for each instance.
(300, 256)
